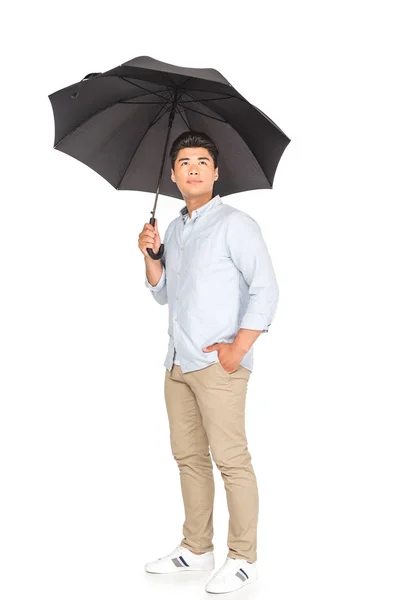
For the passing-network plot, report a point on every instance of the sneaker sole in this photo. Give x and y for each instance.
(178, 570)
(157, 570)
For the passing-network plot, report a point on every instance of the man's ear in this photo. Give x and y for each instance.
(173, 175)
(216, 174)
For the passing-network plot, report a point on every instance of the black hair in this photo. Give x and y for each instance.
(193, 139)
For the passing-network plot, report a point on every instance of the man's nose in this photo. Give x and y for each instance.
(194, 170)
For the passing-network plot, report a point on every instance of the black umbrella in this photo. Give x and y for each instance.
(119, 123)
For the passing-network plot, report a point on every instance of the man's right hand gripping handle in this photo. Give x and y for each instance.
(150, 241)
(156, 255)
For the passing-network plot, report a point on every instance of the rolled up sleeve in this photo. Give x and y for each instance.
(159, 291)
(248, 251)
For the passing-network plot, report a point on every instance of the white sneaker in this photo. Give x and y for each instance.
(181, 559)
(234, 574)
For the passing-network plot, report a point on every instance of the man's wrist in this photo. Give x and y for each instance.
(240, 349)
(244, 339)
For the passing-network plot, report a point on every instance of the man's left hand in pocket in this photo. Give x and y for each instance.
(228, 355)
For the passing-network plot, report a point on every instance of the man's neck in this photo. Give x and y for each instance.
(197, 202)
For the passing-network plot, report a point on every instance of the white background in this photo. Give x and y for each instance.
(90, 490)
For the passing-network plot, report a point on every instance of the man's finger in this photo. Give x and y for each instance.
(210, 348)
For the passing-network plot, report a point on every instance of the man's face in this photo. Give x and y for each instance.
(194, 172)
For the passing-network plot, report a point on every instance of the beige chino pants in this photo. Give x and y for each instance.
(206, 410)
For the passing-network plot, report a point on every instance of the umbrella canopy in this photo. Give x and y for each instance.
(117, 122)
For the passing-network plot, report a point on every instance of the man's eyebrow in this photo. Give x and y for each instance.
(200, 158)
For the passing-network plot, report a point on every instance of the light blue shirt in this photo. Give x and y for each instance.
(217, 277)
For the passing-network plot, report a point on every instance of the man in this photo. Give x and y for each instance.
(217, 278)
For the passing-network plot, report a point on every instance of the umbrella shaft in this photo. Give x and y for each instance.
(171, 118)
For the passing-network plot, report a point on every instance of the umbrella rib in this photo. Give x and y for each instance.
(180, 102)
(208, 91)
(140, 87)
(160, 117)
(208, 99)
(204, 115)
(183, 118)
(243, 100)
(185, 80)
(194, 99)
(140, 141)
(200, 113)
(128, 102)
(171, 80)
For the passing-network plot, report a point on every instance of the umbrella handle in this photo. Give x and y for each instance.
(150, 250)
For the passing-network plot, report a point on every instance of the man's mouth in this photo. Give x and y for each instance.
(194, 181)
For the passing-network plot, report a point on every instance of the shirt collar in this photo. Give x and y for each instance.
(215, 201)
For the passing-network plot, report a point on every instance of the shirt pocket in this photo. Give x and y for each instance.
(203, 252)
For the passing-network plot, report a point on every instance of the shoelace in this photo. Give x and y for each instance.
(233, 567)
(176, 552)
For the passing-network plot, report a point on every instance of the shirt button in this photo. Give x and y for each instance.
(177, 297)
(179, 272)
(181, 248)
